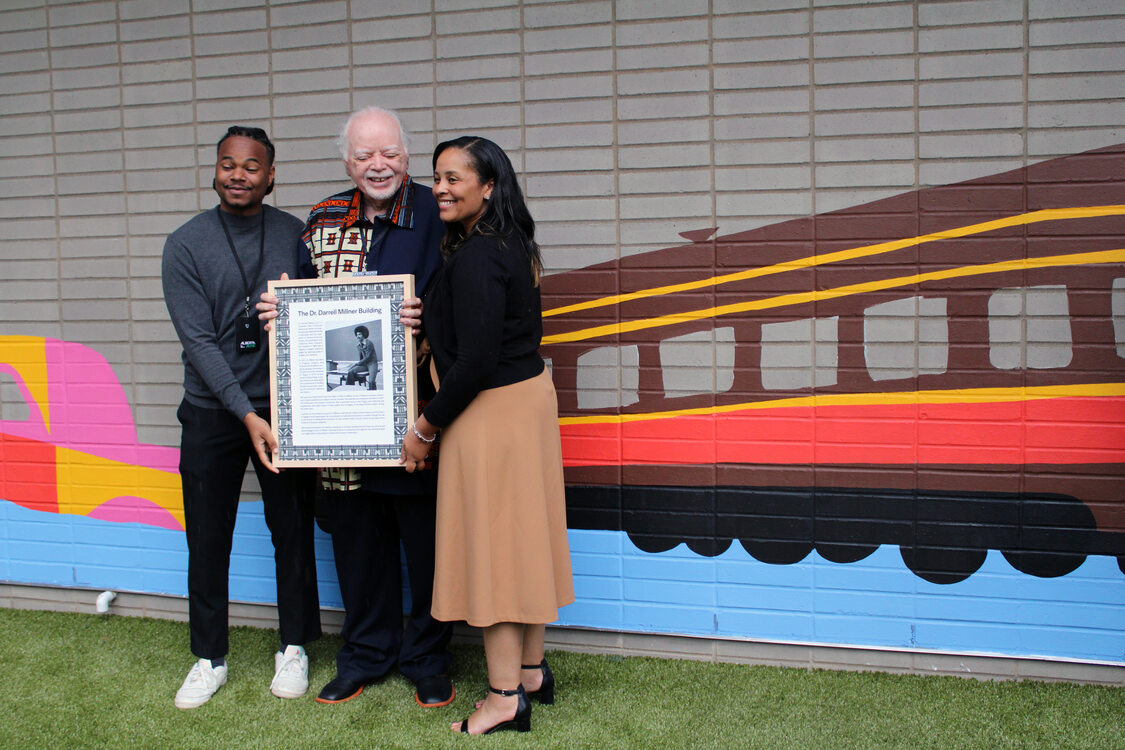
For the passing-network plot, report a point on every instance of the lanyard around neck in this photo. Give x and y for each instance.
(246, 282)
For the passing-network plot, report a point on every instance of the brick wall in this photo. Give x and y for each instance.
(630, 122)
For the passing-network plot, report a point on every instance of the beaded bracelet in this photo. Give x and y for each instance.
(423, 438)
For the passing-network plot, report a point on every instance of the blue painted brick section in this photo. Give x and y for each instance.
(599, 587)
(862, 630)
(666, 619)
(584, 611)
(29, 570)
(666, 592)
(26, 526)
(776, 626)
(750, 596)
(595, 565)
(42, 552)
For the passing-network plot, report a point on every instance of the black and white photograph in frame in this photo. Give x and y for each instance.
(353, 361)
(342, 371)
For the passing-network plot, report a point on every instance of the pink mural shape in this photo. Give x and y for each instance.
(132, 509)
(79, 418)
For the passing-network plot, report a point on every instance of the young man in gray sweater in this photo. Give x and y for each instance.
(213, 267)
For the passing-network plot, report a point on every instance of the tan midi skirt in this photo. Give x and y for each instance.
(501, 552)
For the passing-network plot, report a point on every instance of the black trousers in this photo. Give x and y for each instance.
(367, 529)
(214, 449)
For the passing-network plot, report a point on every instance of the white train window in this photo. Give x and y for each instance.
(697, 363)
(800, 354)
(608, 376)
(1029, 327)
(905, 338)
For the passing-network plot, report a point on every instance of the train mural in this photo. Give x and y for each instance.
(941, 370)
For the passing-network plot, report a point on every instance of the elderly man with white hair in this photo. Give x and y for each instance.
(389, 225)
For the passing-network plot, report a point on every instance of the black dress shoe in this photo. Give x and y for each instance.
(341, 689)
(434, 691)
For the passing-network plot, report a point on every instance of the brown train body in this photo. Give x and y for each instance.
(980, 439)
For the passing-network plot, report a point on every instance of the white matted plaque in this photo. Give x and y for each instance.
(342, 371)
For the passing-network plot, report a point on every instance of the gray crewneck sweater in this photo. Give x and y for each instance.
(205, 293)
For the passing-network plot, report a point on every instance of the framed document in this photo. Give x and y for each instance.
(342, 371)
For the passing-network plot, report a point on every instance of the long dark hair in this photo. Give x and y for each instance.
(505, 213)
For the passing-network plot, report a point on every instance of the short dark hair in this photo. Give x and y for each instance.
(363, 330)
(254, 134)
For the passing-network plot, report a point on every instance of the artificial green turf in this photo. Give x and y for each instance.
(72, 680)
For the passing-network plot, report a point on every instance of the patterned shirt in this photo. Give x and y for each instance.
(338, 238)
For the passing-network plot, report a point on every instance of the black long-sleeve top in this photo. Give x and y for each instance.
(483, 319)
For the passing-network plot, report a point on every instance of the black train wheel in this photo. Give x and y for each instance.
(1054, 532)
(943, 565)
(775, 551)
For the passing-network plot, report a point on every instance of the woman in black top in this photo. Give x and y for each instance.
(502, 560)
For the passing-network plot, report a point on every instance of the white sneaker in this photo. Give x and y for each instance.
(200, 684)
(291, 673)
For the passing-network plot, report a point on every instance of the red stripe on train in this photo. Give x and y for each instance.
(1047, 431)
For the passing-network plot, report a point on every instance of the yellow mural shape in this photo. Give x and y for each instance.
(58, 459)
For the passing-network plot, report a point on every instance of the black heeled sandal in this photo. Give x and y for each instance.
(546, 692)
(521, 722)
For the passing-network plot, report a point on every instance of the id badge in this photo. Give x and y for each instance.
(249, 333)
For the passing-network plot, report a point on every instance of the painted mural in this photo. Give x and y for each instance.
(943, 371)
(77, 452)
(865, 427)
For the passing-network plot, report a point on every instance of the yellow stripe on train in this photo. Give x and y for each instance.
(951, 396)
(1073, 259)
(866, 251)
